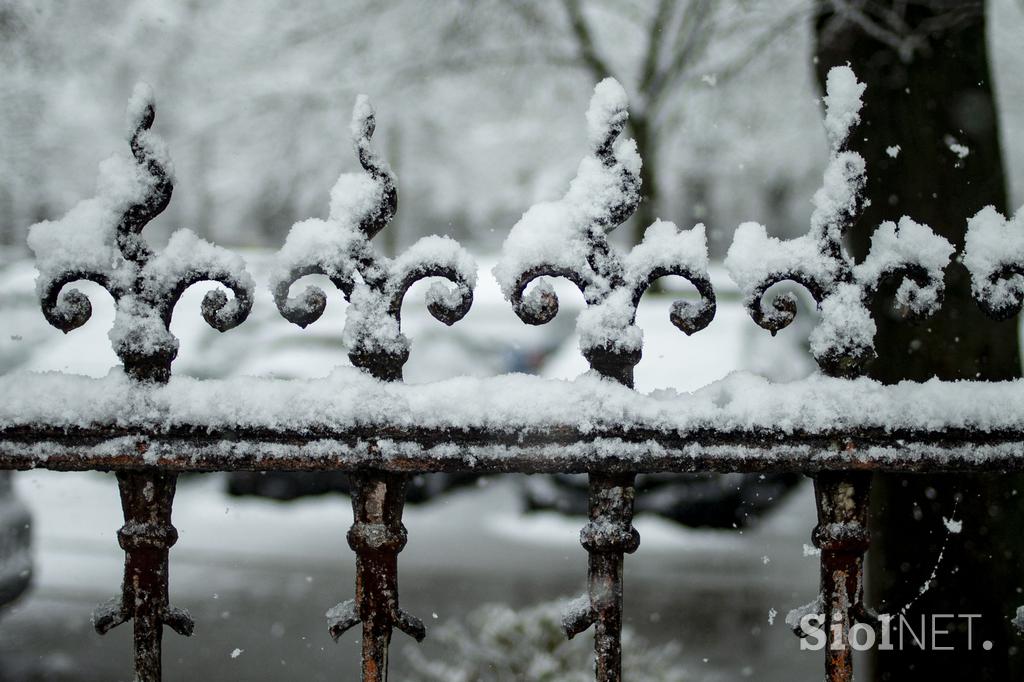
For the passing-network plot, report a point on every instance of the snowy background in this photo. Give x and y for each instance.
(479, 108)
(480, 114)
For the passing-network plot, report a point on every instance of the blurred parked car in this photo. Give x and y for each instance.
(711, 500)
(280, 485)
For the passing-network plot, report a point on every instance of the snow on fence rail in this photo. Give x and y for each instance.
(837, 426)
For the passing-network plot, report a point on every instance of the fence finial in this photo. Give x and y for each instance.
(340, 248)
(569, 238)
(100, 240)
(361, 205)
(843, 342)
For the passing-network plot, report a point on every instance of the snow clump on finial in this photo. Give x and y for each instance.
(842, 103)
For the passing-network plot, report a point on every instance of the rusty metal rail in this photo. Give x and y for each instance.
(382, 456)
(558, 450)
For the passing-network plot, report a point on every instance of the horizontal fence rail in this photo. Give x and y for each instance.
(836, 426)
(973, 428)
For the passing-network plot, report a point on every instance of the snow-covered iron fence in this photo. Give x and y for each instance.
(836, 426)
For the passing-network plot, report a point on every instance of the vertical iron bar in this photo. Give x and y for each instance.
(146, 538)
(843, 538)
(377, 536)
(607, 537)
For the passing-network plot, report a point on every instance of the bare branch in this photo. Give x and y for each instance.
(585, 41)
(655, 38)
(735, 64)
(694, 38)
(889, 25)
(902, 43)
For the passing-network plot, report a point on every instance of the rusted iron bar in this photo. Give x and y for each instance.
(843, 538)
(145, 295)
(146, 538)
(377, 536)
(377, 346)
(555, 450)
(612, 289)
(607, 536)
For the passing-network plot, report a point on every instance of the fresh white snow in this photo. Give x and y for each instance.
(756, 260)
(340, 248)
(349, 398)
(567, 238)
(994, 242)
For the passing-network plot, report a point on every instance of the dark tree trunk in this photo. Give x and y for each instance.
(925, 97)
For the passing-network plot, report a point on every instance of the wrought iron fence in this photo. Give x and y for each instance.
(837, 427)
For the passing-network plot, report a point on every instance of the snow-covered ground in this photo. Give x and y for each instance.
(258, 575)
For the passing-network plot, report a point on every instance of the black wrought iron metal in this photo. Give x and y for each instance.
(992, 254)
(612, 294)
(382, 456)
(145, 287)
(567, 448)
(375, 287)
(841, 288)
(146, 538)
(844, 345)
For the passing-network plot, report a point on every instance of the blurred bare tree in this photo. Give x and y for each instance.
(655, 49)
(255, 98)
(675, 50)
(479, 105)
